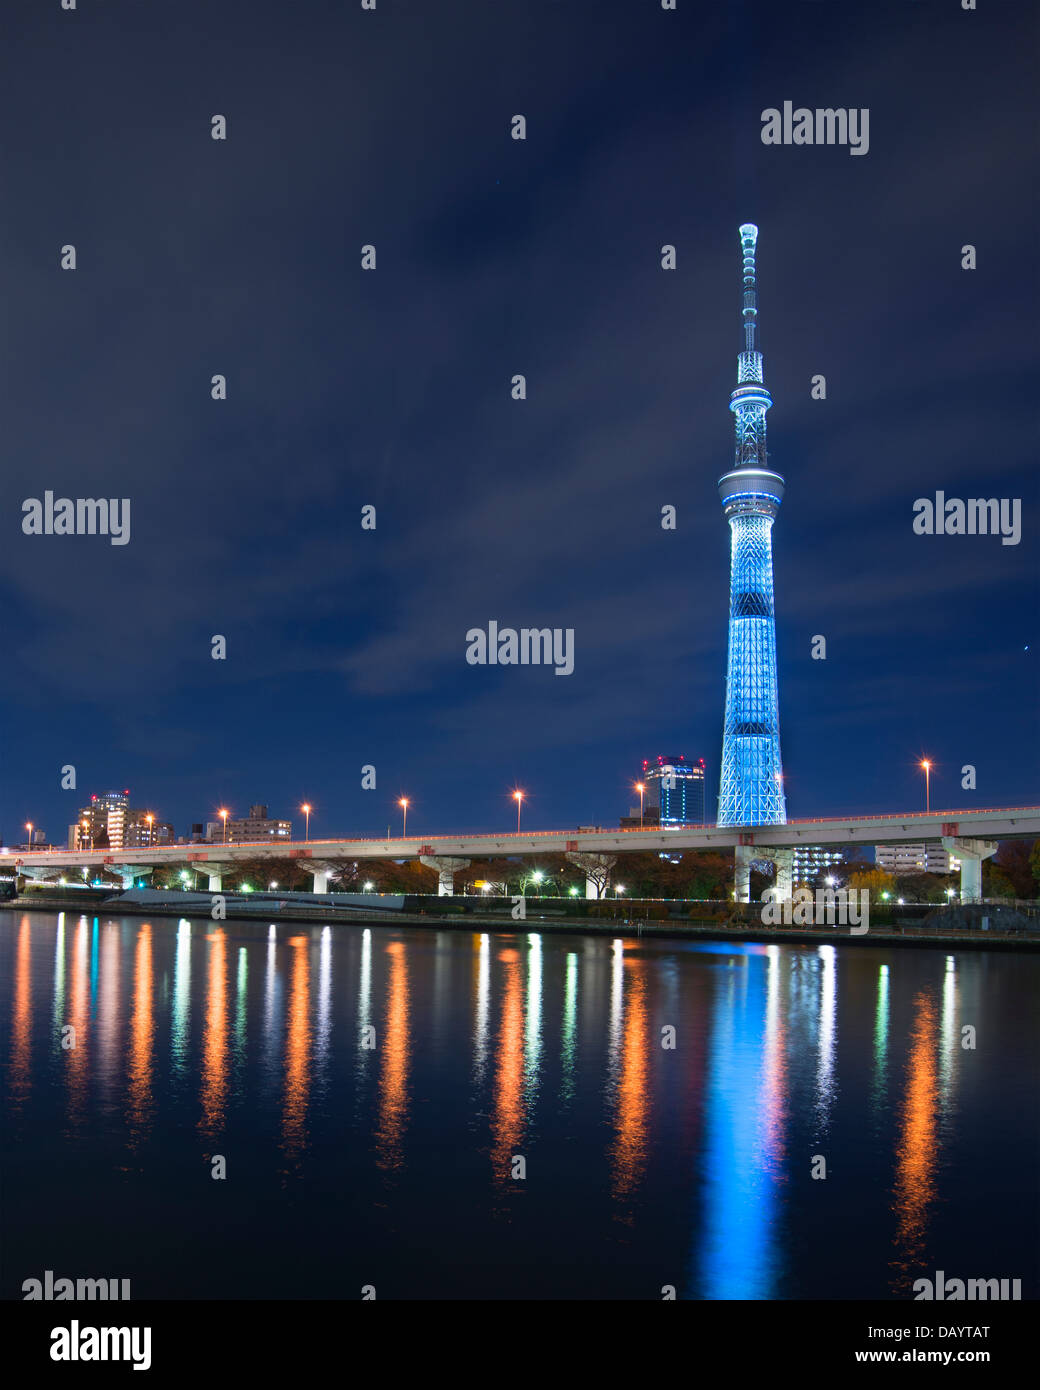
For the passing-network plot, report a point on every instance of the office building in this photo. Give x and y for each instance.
(674, 790)
(928, 858)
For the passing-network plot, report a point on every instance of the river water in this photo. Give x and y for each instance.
(466, 1115)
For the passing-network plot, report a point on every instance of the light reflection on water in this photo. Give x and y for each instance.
(664, 1101)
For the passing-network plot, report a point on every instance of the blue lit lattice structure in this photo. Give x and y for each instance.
(751, 787)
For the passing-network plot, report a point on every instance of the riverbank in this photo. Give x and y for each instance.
(480, 916)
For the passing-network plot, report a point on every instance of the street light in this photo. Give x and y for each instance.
(223, 816)
(307, 813)
(640, 788)
(518, 797)
(150, 819)
(29, 827)
(619, 888)
(87, 835)
(368, 886)
(403, 803)
(927, 789)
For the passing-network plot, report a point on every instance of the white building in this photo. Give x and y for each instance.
(808, 861)
(258, 825)
(928, 858)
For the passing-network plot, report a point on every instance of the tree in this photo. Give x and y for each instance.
(1034, 865)
(1016, 860)
(921, 888)
(876, 881)
(709, 874)
(996, 883)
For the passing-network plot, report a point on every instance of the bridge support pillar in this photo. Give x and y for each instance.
(784, 861)
(129, 872)
(447, 867)
(743, 856)
(214, 881)
(321, 881)
(971, 853)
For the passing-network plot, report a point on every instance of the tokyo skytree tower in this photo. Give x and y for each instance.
(751, 787)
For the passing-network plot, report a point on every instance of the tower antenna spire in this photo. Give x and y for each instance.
(751, 790)
(748, 240)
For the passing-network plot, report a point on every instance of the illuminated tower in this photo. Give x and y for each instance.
(751, 788)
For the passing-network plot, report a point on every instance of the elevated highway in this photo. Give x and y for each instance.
(971, 835)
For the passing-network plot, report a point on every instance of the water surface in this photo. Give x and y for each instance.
(667, 1103)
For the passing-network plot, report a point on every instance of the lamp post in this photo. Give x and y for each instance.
(927, 787)
(640, 788)
(518, 797)
(150, 820)
(305, 808)
(223, 816)
(29, 827)
(403, 803)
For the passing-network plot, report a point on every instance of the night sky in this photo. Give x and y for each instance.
(392, 388)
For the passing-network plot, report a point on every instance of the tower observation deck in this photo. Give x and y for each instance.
(751, 789)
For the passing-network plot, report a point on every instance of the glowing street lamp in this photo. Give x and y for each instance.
(403, 803)
(305, 808)
(640, 788)
(619, 889)
(29, 827)
(223, 816)
(150, 819)
(518, 797)
(927, 788)
(368, 885)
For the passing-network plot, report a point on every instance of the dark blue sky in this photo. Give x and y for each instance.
(346, 388)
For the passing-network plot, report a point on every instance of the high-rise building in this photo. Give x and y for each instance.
(915, 859)
(674, 790)
(258, 825)
(809, 861)
(110, 822)
(751, 789)
(103, 823)
(143, 829)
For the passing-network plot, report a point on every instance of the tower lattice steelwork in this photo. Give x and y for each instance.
(751, 790)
